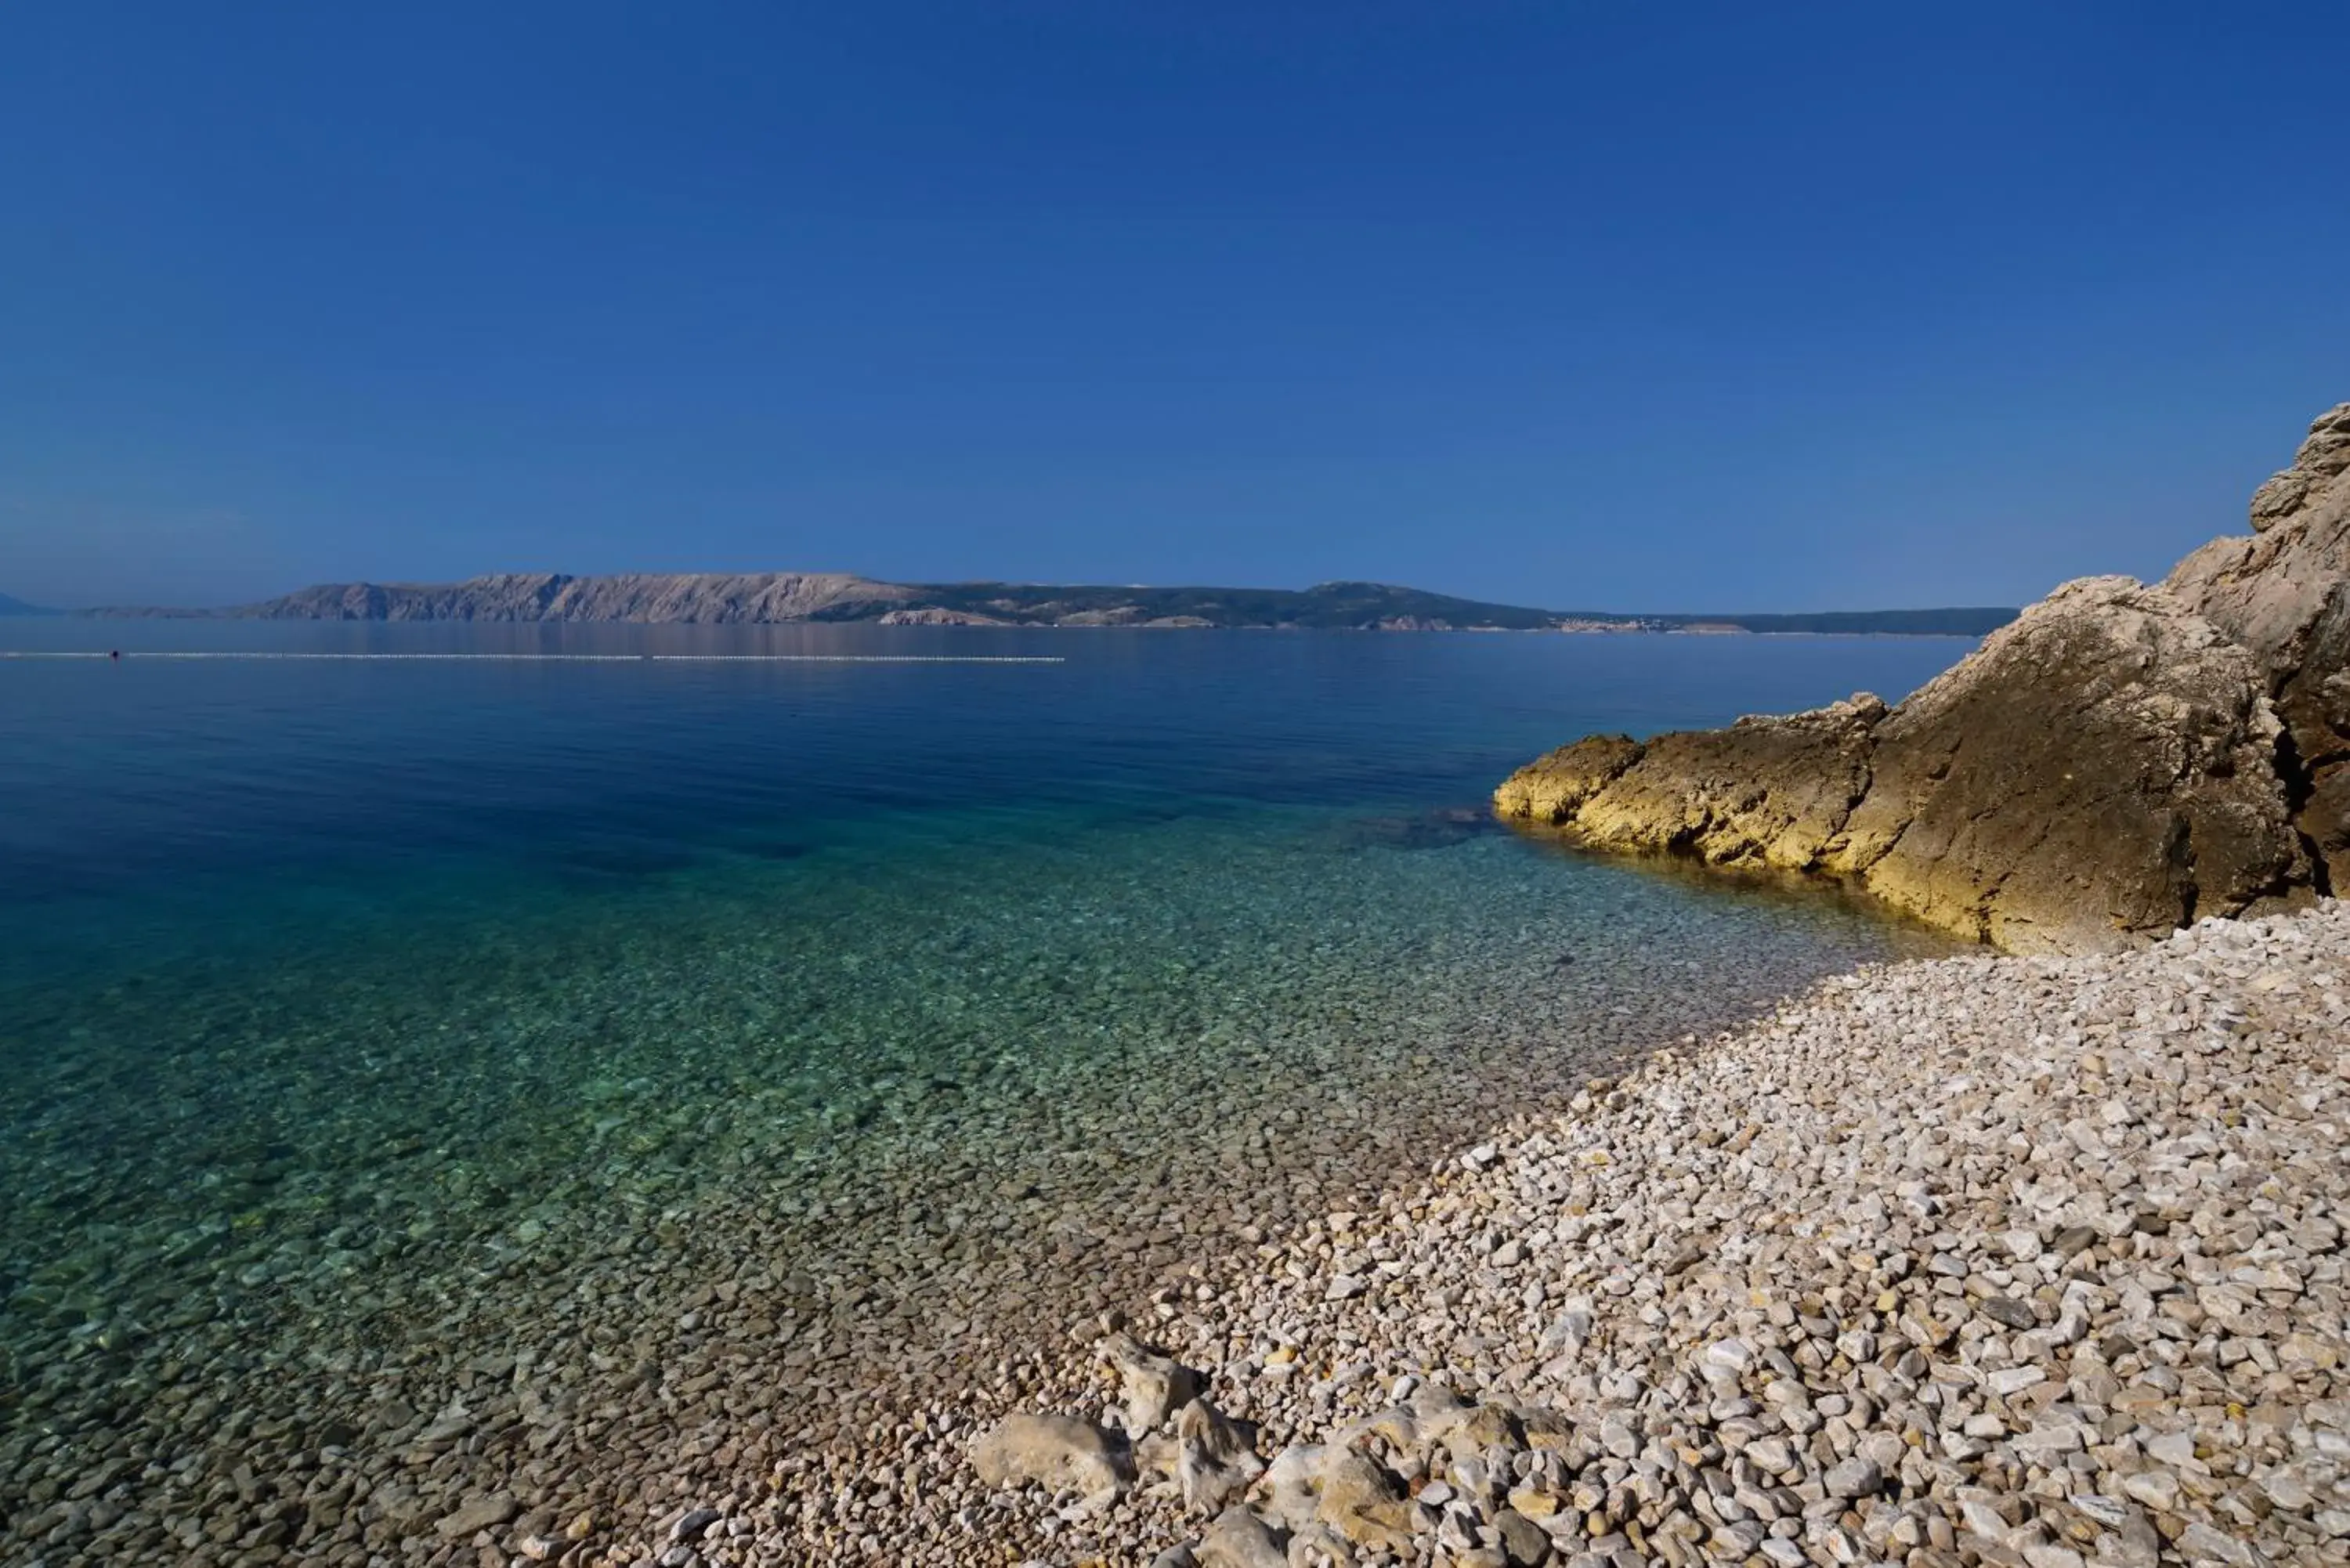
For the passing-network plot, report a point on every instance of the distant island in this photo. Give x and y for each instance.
(776, 597)
(18, 607)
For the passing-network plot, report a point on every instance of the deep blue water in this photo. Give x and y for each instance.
(347, 1007)
(123, 784)
(218, 873)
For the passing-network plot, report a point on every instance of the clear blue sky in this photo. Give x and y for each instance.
(1739, 307)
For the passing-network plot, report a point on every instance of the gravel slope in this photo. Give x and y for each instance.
(1981, 1260)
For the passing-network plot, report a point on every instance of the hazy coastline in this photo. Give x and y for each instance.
(772, 598)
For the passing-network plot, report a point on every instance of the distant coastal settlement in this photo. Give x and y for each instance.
(782, 597)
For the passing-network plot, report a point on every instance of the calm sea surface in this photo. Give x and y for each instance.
(349, 1010)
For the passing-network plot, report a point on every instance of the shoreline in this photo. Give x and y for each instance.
(2055, 1280)
(635, 1281)
(216, 617)
(1313, 1323)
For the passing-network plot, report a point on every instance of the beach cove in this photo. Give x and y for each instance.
(768, 1157)
(470, 1104)
(2035, 1260)
(1207, 787)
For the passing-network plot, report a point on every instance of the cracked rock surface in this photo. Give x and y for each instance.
(2119, 760)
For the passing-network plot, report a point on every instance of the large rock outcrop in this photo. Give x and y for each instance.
(2118, 761)
(2104, 768)
(2284, 593)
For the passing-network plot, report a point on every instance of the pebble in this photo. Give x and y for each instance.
(2000, 1261)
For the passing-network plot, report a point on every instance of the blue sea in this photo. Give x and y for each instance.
(373, 1028)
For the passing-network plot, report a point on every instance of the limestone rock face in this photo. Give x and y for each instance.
(1553, 788)
(2103, 769)
(1767, 791)
(2119, 760)
(755, 597)
(2324, 458)
(2285, 593)
(931, 615)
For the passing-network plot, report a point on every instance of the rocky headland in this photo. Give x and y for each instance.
(2120, 760)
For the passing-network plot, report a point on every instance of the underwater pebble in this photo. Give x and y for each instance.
(705, 1200)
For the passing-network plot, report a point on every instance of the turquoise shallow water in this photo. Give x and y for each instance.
(363, 1020)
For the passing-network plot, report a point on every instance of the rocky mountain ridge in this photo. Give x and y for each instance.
(769, 598)
(702, 597)
(2121, 759)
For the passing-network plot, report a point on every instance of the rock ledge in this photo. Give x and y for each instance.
(2117, 762)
